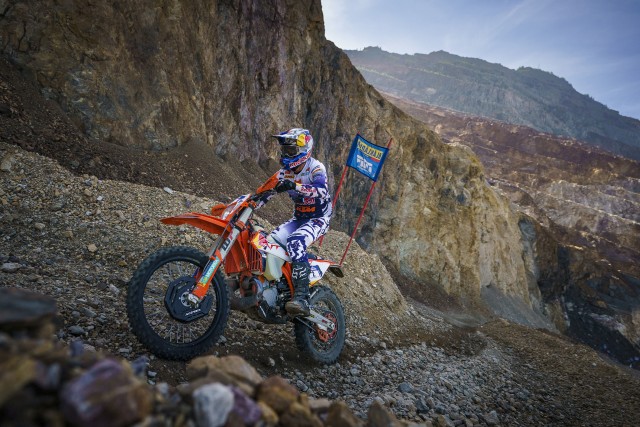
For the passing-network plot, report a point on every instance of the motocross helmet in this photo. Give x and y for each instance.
(295, 147)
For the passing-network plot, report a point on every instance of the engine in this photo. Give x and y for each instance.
(265, 291)
(260, 299)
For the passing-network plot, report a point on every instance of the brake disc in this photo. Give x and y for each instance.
(177, 304)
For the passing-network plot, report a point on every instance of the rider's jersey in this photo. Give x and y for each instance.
(311, 196)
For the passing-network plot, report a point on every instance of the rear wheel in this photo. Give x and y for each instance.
(323, 346)
(159, 314)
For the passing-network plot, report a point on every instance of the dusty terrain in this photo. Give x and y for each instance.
(75, 229)
(419, 364)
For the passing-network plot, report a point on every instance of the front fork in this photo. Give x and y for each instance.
(217, 255)
(200, 290)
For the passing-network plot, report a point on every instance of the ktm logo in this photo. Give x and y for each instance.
(306, 209)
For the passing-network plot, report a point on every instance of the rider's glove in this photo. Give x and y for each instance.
(285, 185)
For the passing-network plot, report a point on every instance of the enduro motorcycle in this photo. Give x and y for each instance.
(178, 299)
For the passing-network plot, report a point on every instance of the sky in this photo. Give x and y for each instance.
(593, 44)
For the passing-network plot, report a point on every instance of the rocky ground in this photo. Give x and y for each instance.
(78, 238)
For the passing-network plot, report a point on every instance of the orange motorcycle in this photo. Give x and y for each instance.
(178, 299)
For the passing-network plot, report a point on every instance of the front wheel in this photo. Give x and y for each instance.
(323, 346)
(159, 313)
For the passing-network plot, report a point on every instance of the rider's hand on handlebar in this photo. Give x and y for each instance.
(258, 196)
(285, 185)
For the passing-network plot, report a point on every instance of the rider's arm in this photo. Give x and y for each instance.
(269, 194)
(318, 186)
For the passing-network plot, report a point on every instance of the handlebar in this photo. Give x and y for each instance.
(258, 196)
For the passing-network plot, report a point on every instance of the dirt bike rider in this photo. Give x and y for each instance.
(305, 180)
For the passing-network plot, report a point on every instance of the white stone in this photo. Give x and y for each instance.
(6, 163)
(212, 404)
(11, 267)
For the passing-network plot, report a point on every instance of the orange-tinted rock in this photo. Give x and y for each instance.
(15, 373)
(341, 416)
(299, 415)
(277, 393)
(379, 416)
(234, 366)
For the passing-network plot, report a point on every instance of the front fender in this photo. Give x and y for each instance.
(236, 260)
(208, 223)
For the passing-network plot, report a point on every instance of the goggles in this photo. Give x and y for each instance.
(289, 150)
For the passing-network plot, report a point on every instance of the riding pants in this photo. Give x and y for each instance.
(298, 234)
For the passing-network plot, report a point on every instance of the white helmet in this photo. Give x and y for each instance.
(295, 147)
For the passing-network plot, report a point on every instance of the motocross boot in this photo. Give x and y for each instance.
(299, 305)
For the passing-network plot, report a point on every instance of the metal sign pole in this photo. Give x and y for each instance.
(355, 229)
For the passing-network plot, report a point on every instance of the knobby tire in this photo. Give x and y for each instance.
(138, 320)
(306, 338)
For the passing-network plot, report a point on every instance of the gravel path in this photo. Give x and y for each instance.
(423, 383)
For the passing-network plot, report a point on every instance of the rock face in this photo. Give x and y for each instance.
(583, 198)
(159, 75)
(592, 195)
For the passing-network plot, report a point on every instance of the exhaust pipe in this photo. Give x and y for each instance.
(243, 303)
(240, 303)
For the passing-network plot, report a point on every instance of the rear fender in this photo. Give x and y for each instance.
(336, 270)
(320, 266)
